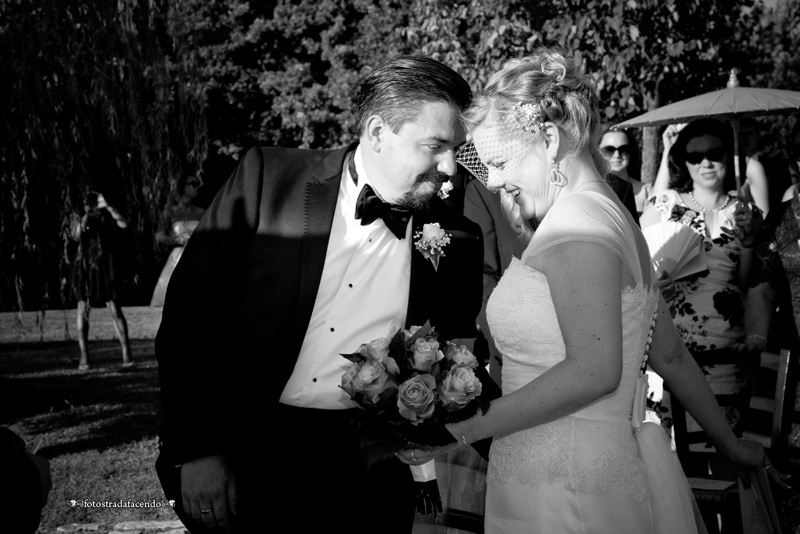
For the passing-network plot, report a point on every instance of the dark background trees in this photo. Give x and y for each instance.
(128, 96)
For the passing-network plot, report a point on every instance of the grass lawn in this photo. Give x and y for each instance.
(99, 427)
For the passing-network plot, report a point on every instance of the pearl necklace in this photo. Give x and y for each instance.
(720, 208)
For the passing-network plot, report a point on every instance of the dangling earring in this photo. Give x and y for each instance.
(556, 177)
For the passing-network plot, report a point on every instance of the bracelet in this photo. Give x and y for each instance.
(756, 336)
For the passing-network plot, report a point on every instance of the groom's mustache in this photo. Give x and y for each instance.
(436, 178)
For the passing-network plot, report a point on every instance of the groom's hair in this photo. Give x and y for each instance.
(397, 88)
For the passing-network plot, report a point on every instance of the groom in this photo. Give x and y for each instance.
(297, 260)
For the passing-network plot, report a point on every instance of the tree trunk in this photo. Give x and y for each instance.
(650, 156)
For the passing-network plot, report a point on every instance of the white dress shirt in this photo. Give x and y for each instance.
(363, 295)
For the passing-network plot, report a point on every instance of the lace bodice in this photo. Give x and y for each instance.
(594, 448)
(525, 328)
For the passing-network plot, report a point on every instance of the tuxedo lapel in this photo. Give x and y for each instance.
(449, 296)
(320, 205)
(423, 276)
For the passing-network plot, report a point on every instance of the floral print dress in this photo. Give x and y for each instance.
(708, 307)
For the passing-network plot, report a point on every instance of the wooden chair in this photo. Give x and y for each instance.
(716, 494)
(773, 406)
(774, 382)
(714, 485)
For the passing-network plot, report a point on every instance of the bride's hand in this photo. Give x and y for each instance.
(745, 454)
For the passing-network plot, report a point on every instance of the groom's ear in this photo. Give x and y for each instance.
(374, 130)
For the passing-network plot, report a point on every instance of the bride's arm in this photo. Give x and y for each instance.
(585, 286)
(670, 358)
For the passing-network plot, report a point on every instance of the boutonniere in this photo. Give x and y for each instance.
(444, 192)
(430, 241)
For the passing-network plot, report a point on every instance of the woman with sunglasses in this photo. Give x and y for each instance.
(708, 307)
(619, 149)
(177, 224)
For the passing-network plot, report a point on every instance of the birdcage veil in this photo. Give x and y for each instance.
(499, 144)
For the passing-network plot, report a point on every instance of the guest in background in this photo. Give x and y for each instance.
(177, 224)
(500, 244)
(708, 307)
(756, 185)
(620, 150)
(24, 485)
(772, 313)
(793, 166)
(773, 302)
(96, 277)
(775, 281)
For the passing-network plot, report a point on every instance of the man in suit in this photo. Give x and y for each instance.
(296, 261)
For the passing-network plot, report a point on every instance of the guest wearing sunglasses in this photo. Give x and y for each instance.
(620, 150)
(177, 224)
(708, 307)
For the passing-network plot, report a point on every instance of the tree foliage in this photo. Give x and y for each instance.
(95, 99)
(644, 53)
(127, 96)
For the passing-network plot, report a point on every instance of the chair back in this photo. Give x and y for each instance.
(693, 446)
(771, 406)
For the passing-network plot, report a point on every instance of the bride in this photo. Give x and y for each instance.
(574, 319)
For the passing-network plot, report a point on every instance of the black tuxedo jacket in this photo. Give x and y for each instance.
(239, 302)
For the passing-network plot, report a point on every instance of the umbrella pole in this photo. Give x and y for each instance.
(739, 160)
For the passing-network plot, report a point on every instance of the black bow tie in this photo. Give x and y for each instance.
(369, 208)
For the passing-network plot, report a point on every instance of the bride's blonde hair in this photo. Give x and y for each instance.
(564, 95)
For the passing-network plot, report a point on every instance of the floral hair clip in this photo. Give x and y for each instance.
(528, 117)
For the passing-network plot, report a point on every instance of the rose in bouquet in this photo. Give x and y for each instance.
(408, 386)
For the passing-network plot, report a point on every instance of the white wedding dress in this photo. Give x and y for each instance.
(587, 472)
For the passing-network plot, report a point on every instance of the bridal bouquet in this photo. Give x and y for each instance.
(408, 387)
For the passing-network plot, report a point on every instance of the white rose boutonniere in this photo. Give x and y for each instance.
(430, 241)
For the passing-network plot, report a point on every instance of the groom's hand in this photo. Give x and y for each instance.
(209, 492)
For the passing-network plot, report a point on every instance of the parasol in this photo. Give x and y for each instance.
(731, 104)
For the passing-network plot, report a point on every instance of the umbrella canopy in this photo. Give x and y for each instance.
(731, 104)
